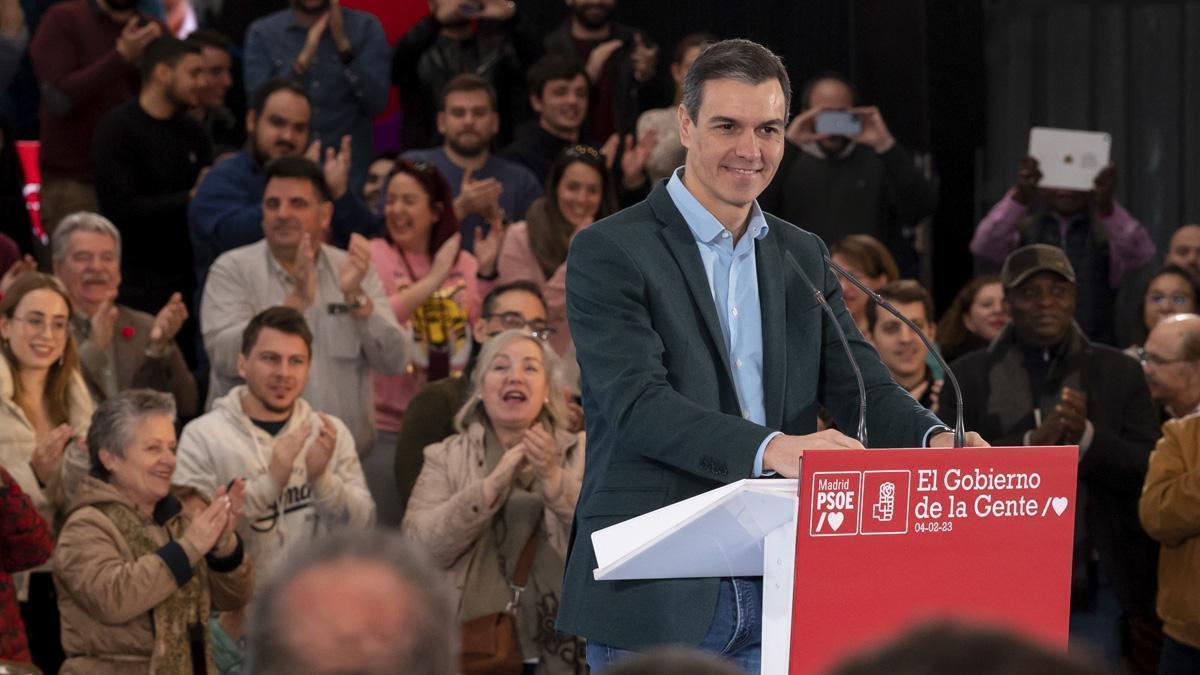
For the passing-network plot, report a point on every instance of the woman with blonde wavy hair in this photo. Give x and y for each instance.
(507, 483)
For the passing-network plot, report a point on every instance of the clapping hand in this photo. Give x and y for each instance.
(168, 322)
(236, 496)
(49, 453)
(316, 461)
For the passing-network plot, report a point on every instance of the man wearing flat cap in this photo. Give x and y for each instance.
(1042, 382)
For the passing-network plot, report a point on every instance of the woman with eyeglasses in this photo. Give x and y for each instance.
(44, 408)
(579, 191)
(1172, 290)
(436, 289)
(504, 490)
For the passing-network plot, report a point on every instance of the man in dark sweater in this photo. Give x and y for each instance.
(83, 54)
(149, 154)
(834, 186)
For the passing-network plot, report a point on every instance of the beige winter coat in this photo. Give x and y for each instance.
(18, 441)
(105, 595)
(446, 513)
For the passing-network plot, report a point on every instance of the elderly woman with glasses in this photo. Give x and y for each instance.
(579, 191)
(436, 289)
(504, 486)
(44, 408)
(137, 577)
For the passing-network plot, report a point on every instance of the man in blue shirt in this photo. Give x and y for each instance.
(226, 211)
(485, 187)
(340, 57)
(705, 358)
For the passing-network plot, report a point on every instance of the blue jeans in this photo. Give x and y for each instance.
(735, 633)
(1176, 658)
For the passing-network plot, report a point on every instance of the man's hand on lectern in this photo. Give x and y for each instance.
(783, 452)
(945, 439)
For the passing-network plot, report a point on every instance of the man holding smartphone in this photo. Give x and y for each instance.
(843, 173)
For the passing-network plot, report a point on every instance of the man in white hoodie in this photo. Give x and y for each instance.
(303, 477)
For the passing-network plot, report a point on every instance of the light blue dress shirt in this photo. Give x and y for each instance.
(733, 280)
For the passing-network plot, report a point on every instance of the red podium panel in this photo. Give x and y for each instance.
(888, 539)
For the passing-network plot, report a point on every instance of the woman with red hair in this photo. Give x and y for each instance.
(436, 289)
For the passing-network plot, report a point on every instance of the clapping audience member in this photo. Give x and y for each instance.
(868, 259)
(491, 39)
(579, 192)
(226, 211)
(899, 348)
(339, 56)
(1101, 239)
(429, 417)
(486, 188)
(1042, 382)
(341, 298)
(433, 287)
(119, 347)
(621, 64)
(85, 54)
(26, 541)
(224, 132)
(149, 155)
(975, 317)
(359, 602)
(303, 477)
(507, 483)
(669, 153)
(45, 410)
(842, 184)
(136, 575)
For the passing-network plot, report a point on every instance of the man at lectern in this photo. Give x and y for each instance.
(1042, 382)
(705, 356)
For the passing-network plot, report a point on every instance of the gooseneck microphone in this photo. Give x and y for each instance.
(959, 431)
(862, 390)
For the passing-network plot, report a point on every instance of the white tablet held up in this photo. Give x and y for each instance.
(1068, 158)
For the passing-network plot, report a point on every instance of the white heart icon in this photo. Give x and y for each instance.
(1059, 504)
(835, 520)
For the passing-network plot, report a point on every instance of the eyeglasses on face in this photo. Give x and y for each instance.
(1174, 299)
(514, 321)
(36, 324)
(1156, 360)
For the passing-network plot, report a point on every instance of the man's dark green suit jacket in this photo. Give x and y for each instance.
(663, 420)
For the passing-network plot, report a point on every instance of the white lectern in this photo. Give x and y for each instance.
(743, 529)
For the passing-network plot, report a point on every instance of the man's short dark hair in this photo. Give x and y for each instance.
(740, 60)
(283, 319)
(521, 285)
(904, 291)
(806, 91)
(166, 49)
(294, 166)
(207, 37)
(553, 67)
(467, 82)
(268, 89)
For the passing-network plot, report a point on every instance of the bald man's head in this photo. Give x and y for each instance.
(1184, 249)
(1171, 361)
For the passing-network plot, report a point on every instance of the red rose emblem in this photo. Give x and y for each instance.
(127, 332)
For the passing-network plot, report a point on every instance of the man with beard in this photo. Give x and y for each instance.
(836, 186)
(218, 121)
(489, 38)
(340, 57)
(485, 186)
(338, 293)
(227, 210)
(303, 477)
(149, 154)
(84, 54)
(1042, 382)
(1101, 239)
(621, 64)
